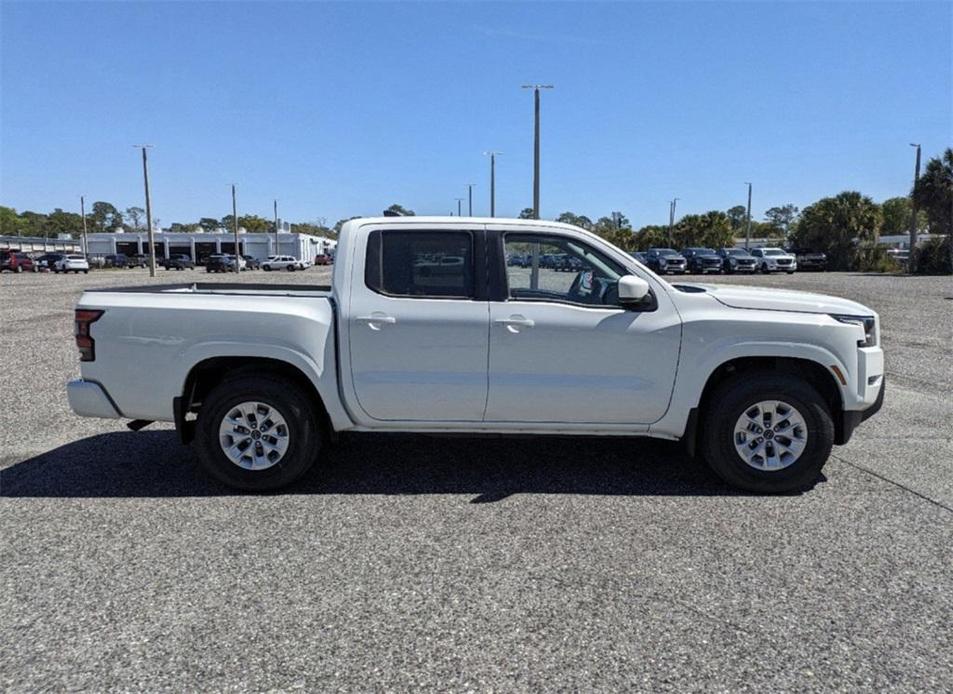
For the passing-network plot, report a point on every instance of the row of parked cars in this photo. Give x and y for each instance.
(19, 261)
(730, 260)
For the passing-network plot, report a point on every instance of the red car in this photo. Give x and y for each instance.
(322, 259)
(16, 261)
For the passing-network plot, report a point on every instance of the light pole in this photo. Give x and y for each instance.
(459, 206)
(277, 252)
(671, 218)
(235, 228)
(748, 222)
(152, 244)
(492, 155)
(470, 199)
(82, 213)
(536, 88)
(913, 216)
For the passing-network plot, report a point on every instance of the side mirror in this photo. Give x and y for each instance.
(632, 290)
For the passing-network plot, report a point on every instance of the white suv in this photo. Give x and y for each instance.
(72, 262)
(774, 260)
(282, 262)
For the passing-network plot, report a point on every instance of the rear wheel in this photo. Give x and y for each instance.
(291, 268)
(257, 433)
(767, 432)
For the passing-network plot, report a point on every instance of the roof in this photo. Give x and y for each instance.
(418, 220)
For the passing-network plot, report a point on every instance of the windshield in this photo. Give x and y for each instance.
(735, 251)
(773, 251)
(667, 251)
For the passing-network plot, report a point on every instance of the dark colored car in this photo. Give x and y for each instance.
(221, 263)
(177, 262)
(809, 259)
(138, 260)
(321, 259)
(48, 260)
(665, 261)
(702, 260)
(737, 260)
(251, 263)
(116, 260)
(640, 256)
(16, 261)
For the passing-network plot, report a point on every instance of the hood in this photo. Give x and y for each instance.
(767, 299)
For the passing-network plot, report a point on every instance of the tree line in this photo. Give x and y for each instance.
(846, 226)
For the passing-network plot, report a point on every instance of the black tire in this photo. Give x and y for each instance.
(291, 268)
(85, 272)
(735, 396)
(283, 396)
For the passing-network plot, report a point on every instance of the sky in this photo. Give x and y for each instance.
(341, 109)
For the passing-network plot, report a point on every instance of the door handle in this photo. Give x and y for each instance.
(375, 320)
(514, 323)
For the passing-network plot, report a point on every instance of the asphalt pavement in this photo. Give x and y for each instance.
(452, 563)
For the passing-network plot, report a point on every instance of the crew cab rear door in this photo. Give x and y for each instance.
(417, 323)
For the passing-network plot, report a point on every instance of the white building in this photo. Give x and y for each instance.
(200, 245)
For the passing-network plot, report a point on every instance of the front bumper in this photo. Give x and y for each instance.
(90, 399)
(851, 419)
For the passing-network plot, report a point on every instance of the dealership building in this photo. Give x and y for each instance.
(200, 245)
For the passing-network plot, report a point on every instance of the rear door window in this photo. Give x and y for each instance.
(420, 264)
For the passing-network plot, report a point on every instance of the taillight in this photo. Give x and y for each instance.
(87, 346)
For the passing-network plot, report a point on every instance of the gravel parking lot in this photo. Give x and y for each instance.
(456, 564)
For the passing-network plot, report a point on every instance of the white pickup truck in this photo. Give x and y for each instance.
(426, 328)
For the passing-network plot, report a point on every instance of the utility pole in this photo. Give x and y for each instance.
(277, 252)
(82, 213)
(492, 156)
(152, 240)
(748, 222)
(913, 217)
(671, 219)
(459, 206)
(470, 199)
(536, 88)
(235, 228)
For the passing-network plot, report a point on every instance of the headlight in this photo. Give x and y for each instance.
(868, 323)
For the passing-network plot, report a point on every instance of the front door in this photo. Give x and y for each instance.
(563, 350)
(418, 327)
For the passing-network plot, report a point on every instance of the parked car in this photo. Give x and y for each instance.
(666, 261)
(737, 260)
(72, 262)
(222, 262)
(179, 261)
(116, 260)
(761, 383)
(16, 261)
(808, 259)
(702, 260)
(282, 262)
(322, 259)
(138, 260)
(47, 260)
(774, 260)
(640, 256)
(251, 262)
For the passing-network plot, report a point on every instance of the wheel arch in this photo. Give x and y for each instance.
(815, 373)
(208, 373)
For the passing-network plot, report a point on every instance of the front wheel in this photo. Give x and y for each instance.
(767, 432)
(257, 433)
